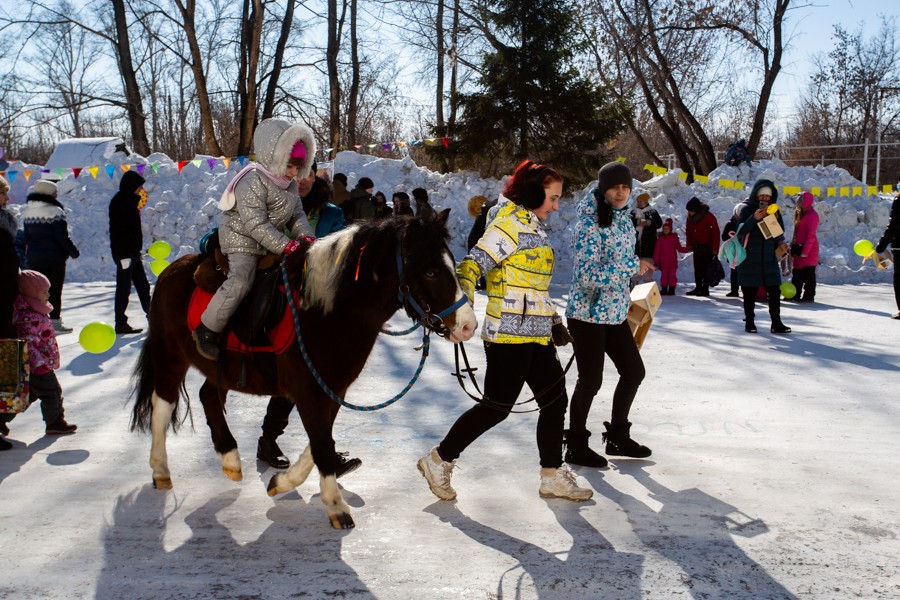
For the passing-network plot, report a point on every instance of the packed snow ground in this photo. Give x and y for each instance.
(182, 207)
(773, 475)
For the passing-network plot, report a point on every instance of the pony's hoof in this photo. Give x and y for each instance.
(233, 474)
(272, 489)
(342, 521)
(162, 483)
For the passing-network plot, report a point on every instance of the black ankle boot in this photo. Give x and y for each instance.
(346, 465)
(750, 327)
(619, 443)
(779, 327)
(268, 451)
(579, 453)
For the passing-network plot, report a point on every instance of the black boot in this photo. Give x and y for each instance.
(207, 342)
(267, 450)
(750, 326)
(619, 443)
(775, 312)
(579, 453)
(693, 292)
(346, 465)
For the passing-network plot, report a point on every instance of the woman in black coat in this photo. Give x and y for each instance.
(125, 242)
(892, 236)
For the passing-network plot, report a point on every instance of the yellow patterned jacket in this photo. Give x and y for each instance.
(515, 257)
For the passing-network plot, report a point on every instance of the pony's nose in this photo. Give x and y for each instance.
(466, 331)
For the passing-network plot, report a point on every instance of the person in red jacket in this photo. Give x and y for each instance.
(805, 248)
(703, 240)
(665, 257)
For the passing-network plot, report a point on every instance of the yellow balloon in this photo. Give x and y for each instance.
(864, 247)
(97, 337)
(772, 209)
(159, 249)
(158, 265)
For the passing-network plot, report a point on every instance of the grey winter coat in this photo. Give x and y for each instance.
(262, 210)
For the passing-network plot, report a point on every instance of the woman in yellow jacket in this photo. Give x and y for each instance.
(520, 328)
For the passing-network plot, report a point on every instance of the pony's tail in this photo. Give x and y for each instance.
(142, 380)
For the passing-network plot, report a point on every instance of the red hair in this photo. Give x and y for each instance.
(528, 172)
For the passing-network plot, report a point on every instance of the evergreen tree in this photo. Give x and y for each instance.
(532, 102)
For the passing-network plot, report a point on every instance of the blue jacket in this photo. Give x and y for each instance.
(46, 231)
(326, 219)
(605, 262)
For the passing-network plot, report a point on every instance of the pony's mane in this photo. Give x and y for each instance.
(346, 264)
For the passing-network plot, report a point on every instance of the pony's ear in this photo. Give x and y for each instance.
(442, 216)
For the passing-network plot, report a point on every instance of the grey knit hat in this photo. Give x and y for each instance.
(612, 174)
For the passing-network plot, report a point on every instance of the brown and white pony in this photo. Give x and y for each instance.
(352, 286)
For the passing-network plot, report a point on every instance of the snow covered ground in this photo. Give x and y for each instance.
(773, 476)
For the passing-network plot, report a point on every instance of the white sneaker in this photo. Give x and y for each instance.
(58, 326)
(560, 483)
(437, 472)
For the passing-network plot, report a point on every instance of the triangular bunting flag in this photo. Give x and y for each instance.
(227, 162)
(621, 159)
(12, 175)
(60, 173)
(356, 146)
(155, 167)
(126, 168)
(240, 160)
(28, 174)
(140, 169)
(110, 170)
(196, 162)
(212, 163)
(93, 171)
(401, 144)
(445, 141)
(387, 147)
(181, 164)
(370, 146)
(76, 172)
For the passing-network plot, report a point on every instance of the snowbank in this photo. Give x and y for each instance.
(182, 207)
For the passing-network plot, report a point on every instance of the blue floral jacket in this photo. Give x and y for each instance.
(605, 262)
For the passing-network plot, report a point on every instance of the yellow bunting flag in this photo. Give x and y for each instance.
(857, 190)
(872, 190)
(887, 189)
(726, 183)
(682, 176)
(816, 191)
(845, 191)
(126, 167)
(649, 168)
(790, 190)
(227, 162)
(832, 192)
(739, 185)
(621, 159)
(93, 171)
(701, 178)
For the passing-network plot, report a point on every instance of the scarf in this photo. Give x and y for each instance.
(228, 200)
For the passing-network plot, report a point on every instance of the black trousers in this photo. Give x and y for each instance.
(593, 342)
(897, 285)
(56, 273)
(773, 295)
(134, 274)
(509, 368)
(277, 415)
(804, 279)
(44, 387)
(702, 259)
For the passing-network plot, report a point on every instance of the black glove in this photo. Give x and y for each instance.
(880, 248)
(560, 335)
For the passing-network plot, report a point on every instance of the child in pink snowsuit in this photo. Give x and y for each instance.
(668, 245)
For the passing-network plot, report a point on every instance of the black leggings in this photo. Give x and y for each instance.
(593, 342)
(509, 368)
(804, 281)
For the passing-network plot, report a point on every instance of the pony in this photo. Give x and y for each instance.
(347, 285)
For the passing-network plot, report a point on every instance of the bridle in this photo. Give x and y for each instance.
(433, 321)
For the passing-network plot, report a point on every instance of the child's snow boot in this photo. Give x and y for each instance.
(579, 453)
(619, 443)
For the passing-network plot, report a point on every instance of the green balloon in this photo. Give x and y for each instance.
(97, 337)
(864, 248)
(788, 290)
(159, 250)
(158, 265)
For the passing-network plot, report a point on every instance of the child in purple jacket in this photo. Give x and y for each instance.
(31, 317)
(665, 256)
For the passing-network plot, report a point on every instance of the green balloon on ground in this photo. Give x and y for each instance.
(864, 247)
(788, 290)
(159, 249)
(97, 337)
(158, 265)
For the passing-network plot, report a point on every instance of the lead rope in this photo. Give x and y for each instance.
(426, 343)
(459, 349)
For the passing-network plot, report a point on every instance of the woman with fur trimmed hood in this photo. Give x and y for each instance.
(259, 203)
(47, 241)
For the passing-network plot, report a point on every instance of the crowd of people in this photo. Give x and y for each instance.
(280, 202)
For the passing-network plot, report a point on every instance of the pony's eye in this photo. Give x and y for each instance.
(430, 273)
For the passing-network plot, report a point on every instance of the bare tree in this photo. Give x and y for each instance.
(133, 101)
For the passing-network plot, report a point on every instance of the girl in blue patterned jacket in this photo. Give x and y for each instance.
(519, 331)
(605, 262)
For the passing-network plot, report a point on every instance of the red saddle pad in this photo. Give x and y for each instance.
(280, 337)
